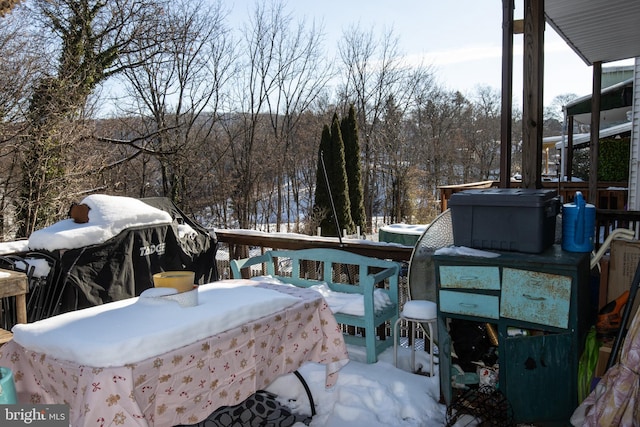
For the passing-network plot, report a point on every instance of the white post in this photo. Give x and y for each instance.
(319, 231)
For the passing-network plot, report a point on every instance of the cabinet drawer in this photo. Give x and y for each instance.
(469, 304)
(536, 297)
(470, 277)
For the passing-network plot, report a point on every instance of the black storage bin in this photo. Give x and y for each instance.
(506, 219)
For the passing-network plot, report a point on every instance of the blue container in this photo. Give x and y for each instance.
(578, 225)
(7, 387)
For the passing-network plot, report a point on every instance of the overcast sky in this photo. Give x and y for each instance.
(461, 39)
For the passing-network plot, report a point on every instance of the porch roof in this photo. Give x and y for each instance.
(597, 30)
(616, 100)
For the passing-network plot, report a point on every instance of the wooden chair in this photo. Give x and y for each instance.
(14, 284)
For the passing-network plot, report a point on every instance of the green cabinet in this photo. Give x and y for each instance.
(541, 380)
(545, 293)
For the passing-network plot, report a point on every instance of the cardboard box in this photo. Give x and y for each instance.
(603, 359)
(623, 262)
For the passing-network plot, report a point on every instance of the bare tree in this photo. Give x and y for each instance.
(212, 122)
(180, 92)
(396, 152)
(374, 71)
(301, 74)
(483, 140)
(21, 62)
(554, 114)
(436, 123)
(87, 39)
(282, 75)
(304, 156)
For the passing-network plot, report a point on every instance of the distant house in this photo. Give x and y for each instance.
(616, 114)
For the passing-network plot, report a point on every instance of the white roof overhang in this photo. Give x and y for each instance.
(583, 139)
(597, 30)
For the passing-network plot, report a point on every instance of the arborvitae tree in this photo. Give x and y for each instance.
(332, 151)
(349, 129)
(322, 203)
(338, 179)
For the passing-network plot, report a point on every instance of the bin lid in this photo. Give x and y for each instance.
(503, 197)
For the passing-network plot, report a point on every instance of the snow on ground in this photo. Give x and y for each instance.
(367, 395)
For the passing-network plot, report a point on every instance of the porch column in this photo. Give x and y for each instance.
(595, 132)
(533, 71)
(506, 117)
(634, 165)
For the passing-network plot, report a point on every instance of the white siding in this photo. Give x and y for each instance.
(634, 166)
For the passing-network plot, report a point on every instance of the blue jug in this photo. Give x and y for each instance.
(578, 225)
(7, 387)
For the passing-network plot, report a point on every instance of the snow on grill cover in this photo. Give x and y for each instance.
(115, 254)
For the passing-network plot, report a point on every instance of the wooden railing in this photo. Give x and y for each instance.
(611, 195)
(611, 202)
(608, 220)
(239, 240)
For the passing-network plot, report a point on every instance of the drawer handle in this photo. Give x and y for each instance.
(468, 278)
(468, 305)
(532, 298)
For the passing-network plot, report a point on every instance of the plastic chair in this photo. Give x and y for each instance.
(7, 387)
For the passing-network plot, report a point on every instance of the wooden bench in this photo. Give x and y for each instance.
(344, 272)
(14, 284)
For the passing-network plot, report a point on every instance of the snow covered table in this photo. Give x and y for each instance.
(146, 362)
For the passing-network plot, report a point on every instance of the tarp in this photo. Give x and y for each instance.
(616, 399)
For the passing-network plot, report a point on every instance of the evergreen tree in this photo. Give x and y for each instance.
(349, 129)
(332, 151)
(322, 202)
(338, 179)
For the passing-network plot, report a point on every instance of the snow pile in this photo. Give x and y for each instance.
(339, 302)
(186, 231)
(353, 304)
(401, 228)
(366, 395)
(7, 248)
(41, 267)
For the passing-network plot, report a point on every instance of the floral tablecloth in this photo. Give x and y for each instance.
(185, 385)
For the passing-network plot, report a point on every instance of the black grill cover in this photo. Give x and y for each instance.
(123, 266)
